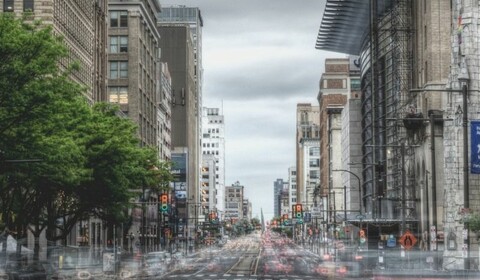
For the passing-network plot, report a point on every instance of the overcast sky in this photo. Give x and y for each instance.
(259, 61)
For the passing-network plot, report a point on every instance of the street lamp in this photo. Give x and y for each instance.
(359, 186)
(463, 78)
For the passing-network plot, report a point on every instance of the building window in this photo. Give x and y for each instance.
(118, 69)
(8, 5)
(118, 95)
(118, 19)
(314, 151)
(28, 5)
(118, 44)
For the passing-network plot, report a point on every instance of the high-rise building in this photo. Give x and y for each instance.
(134, 81)
(234, 196)
(208, 192)
(181, 29)
(292, 186)
(307, 146)
(213, 143)
(335, 91)
(277, 194)
(247, 209)
(417, 62)
(164, 114)
(84, 29)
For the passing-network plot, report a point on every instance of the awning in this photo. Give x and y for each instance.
(345, 24)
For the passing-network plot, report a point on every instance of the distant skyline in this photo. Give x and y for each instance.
(259, 61)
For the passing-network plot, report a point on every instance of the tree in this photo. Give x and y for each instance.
(87, 161)
(30, 82)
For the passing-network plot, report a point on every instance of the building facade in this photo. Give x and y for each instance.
(417, 81)
(208, 192)
(84, 29)
(292, 186)
(164, 114)
(277, 197)
(307, 128)
(134, 78)
(213, 143)
(234, 196)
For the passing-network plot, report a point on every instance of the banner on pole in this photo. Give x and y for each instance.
(475, 147)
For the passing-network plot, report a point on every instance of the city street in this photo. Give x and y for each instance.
(254, 256)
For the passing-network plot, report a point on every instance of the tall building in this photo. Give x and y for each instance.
(234, 196)
(307, 145)
(292, 186)
(134, 79)
(181, 29)
(336, 84)
(247, 209)
(277, 194)
(208, 192)
(213, 143)
(84, 29)
(164, 114)
(418, 61)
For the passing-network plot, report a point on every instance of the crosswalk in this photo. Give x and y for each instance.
(226, 276)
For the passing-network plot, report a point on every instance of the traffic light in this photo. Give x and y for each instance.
(164, 203)
(298, 211)
(362, 236)
(212, 216)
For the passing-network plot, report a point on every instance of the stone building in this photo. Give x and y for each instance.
(83, 26)
(418, 155)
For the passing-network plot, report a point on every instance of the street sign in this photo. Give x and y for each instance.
(408, 240)
(307, 217)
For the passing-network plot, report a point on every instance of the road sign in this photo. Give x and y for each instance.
(307, 217)
(408, 240)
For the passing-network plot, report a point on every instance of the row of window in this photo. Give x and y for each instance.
(213, 145)
(212, 153)
(27, 5)
(215, 121)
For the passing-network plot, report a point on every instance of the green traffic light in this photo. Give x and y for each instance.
(164, 207)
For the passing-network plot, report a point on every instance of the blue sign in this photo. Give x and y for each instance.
(391, 242)
(307, 217)
(475, 147)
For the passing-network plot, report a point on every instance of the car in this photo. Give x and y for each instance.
(156, 263)
(277, 266)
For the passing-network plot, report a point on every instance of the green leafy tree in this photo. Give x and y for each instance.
(89, 159)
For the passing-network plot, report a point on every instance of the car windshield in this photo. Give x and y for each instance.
(252, 139)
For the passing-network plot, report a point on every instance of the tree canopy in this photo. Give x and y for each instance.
(61, 159)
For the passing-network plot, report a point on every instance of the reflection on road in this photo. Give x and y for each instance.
(256, 256)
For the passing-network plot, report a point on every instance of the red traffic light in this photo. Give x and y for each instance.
(164, 198)
(298, 207)
(361, 233)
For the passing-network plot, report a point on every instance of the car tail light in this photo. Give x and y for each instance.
(358, 258)
(342, 270)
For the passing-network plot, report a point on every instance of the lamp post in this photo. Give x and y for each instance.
(359, 186)
(463, 78)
